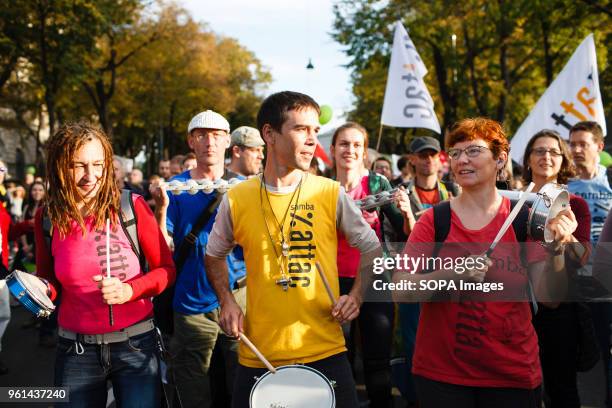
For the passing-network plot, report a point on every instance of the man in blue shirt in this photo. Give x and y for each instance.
(196, 308)
(586, 142)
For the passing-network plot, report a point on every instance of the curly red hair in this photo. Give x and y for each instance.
(491, 131)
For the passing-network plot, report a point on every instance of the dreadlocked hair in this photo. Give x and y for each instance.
(63, 196)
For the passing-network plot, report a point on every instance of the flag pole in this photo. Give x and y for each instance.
(379, 136)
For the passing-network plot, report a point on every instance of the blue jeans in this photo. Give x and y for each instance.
(132, 367)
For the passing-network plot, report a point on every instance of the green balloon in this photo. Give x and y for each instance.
(605, 159)
(326, 114)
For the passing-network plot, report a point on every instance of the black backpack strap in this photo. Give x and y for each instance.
(189, 241)
(442, 218)
(129, 223)
(520, 231)
(519, 225)
(442, 221)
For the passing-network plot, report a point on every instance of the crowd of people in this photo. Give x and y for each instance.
(154, 289)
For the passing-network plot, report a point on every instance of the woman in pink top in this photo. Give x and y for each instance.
(348, 149)
(91, 349)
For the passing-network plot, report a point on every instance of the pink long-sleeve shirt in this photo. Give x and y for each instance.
(77, 259)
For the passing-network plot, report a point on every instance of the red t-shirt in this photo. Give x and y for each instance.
(429, 197)
(476, 343)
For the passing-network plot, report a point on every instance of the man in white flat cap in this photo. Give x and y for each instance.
(186, 220)
(246, 152)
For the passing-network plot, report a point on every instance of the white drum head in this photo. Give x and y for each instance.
(36, 289)
(293, 386)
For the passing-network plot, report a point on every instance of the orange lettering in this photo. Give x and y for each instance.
(569, 108)
(586, 102)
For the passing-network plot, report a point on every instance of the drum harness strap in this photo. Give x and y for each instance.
(442, 222)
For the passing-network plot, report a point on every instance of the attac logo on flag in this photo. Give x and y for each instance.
(407, 100)
(572, 97)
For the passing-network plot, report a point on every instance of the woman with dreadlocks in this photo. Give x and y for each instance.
(72, 257)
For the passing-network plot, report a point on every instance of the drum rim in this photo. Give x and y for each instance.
(28, 292)
(300, 366)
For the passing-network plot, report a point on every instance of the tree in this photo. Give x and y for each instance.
(505, 55)
(140, 69)
(184, 71)
(53, 36)
(126, 31)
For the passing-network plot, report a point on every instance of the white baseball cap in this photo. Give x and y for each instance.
(208, 120)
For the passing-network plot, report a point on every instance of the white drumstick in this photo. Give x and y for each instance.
(326, 283)
(511, 217)
(254, 349)
(108, 271)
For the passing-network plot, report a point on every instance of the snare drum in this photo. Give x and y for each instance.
(30, 292)
(294, 386)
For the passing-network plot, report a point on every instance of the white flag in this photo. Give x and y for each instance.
(572, 97)
(407, 100)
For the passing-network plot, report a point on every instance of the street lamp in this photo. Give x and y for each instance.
(454, 45)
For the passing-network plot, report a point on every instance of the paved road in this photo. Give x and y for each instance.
(32, 365)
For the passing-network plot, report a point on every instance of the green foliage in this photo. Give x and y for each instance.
(141, 69)
(506, 53)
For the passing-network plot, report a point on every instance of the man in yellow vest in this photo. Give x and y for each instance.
(286, 220)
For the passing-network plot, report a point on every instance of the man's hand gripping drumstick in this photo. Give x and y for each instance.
(346, 308)
(231, 318)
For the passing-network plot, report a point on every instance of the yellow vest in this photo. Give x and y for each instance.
(293, 326)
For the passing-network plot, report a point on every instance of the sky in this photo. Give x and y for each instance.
(284, 35)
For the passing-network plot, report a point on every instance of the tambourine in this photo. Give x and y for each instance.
(545, 205)
(30, 292)
(192, 186)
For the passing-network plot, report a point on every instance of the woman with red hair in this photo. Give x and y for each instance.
(474, 347)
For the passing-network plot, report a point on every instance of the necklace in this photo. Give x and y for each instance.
(284, 280)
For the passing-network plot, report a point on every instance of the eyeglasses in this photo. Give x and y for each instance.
(470, 151)
(541, 152)
(216, 135)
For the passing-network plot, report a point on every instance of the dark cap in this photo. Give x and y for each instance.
(421, 143)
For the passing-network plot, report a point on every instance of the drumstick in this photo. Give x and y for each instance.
(326, 283)
(254, 349)
(510, 218)
(111, 320)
